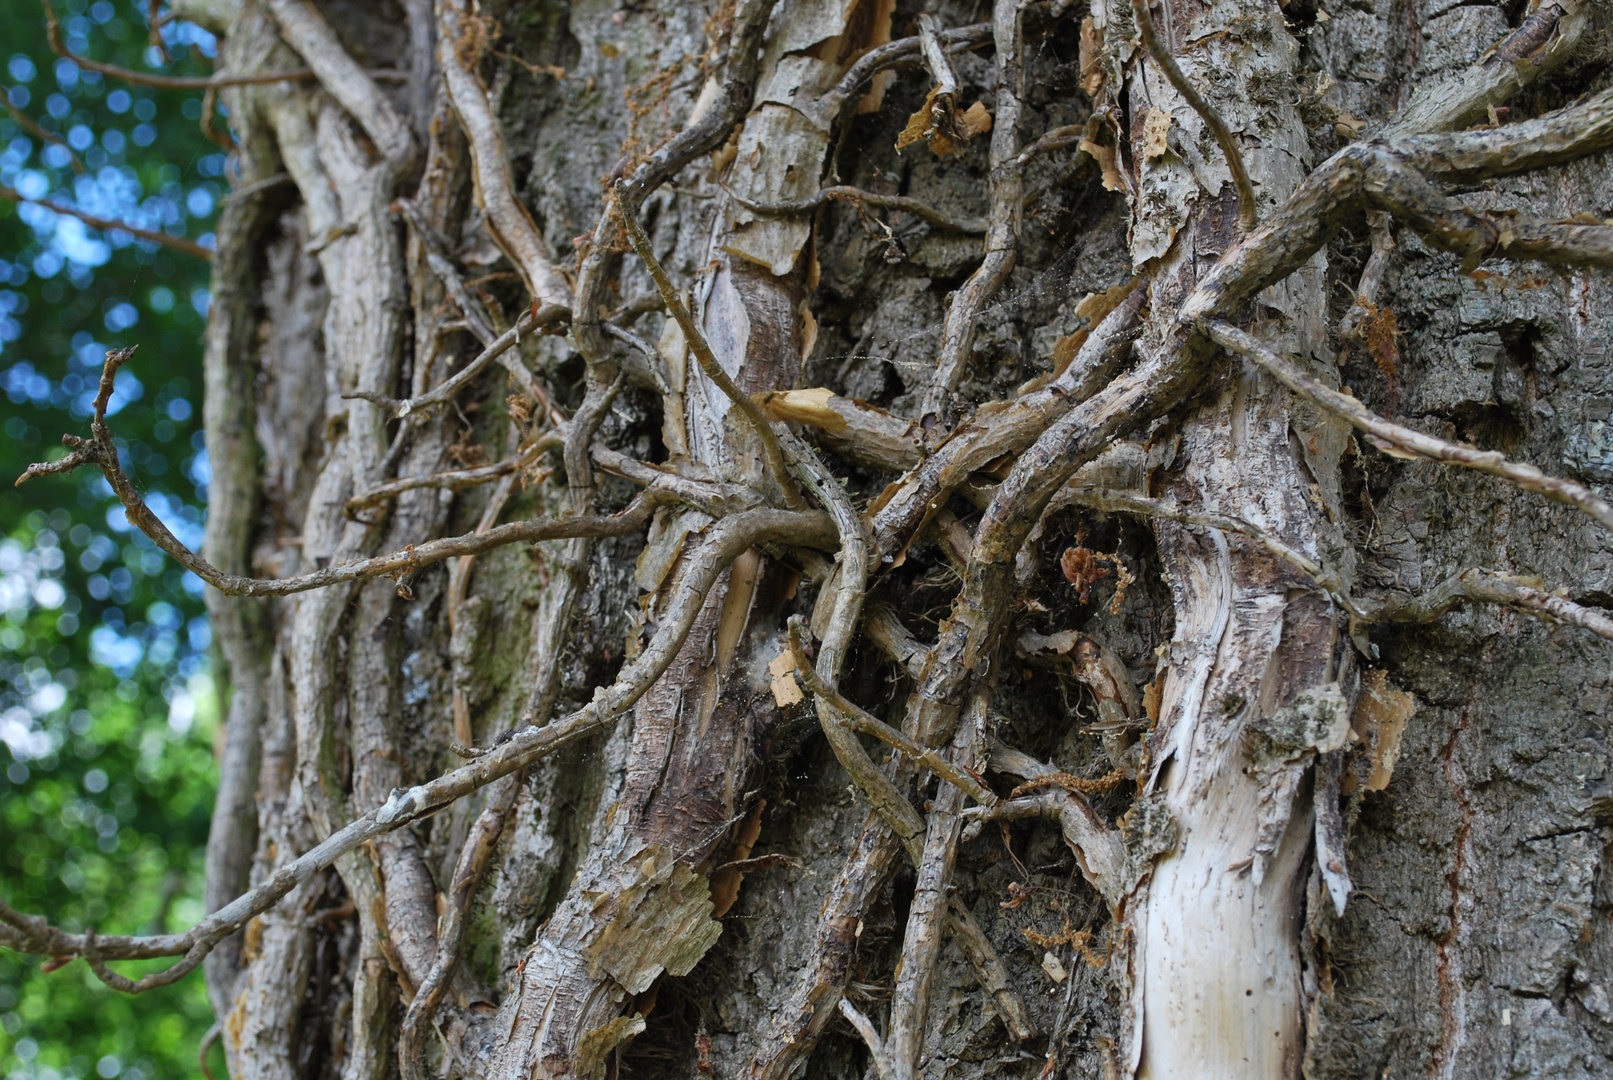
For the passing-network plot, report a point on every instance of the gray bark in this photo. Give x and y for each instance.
(1189, 923)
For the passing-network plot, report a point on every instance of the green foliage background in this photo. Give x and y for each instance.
(107, 708)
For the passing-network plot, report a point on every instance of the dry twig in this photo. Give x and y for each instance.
(1487, 586)
(31, 126)
(53, 33)
(1007, 194)
(1401, 441)
(858, 197)
(178, 243)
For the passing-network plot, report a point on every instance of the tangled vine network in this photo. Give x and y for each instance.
(767, 486)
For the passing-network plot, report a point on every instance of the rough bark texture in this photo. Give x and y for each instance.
(1221, 756)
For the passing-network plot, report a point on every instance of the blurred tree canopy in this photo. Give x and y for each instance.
(107, 709)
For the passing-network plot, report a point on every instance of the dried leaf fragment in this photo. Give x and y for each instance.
(1152, 693)
(1383, 333)
(975, 120)
(1083, 567)
(939, 123)
(1379, 721)
(1065, 348)
(1105, 157)
(1092, 310)
(917, 124)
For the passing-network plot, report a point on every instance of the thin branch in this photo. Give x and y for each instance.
(884, 628)
(715, 497)
(988, 967)
(178, 243)
(1394, 176)
(209, 109)
(204, 1046)
(455, 479)
(1007, 195)
(476, 317)
(902, 52)
(857, 720)
(820, 982)
(31, 126)
(724, 541)
(306, 30)
(1212, 119)
(1171, 370)
(882, 794)
(1099, 850)
(850, 584)
(248, 190)
(935, 58)
(943, 99)
(702, 350)
(734, 80)
(927, 915)
(1477, 236)
(1488, 586)
(736, 89)
(53, 31)
(474, 857)
(1553, 139)
(445, 390)
(508, 219)
(1545, 38)
(580, 432)
(1353, 324)
(102, 452)
(642, 361)
(1408, 441)
(897, 519)
(154, 24)
(1056, 139)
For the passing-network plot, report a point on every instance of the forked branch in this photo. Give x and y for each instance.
(1401, 441)
(101, 451)
(508, 220)
(701, 348)
(1487, 586)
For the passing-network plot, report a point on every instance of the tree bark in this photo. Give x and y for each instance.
(1171, 794)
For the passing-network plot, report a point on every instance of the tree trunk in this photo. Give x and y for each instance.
(1241, 829)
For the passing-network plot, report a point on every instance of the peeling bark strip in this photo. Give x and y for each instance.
(1159, 801)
